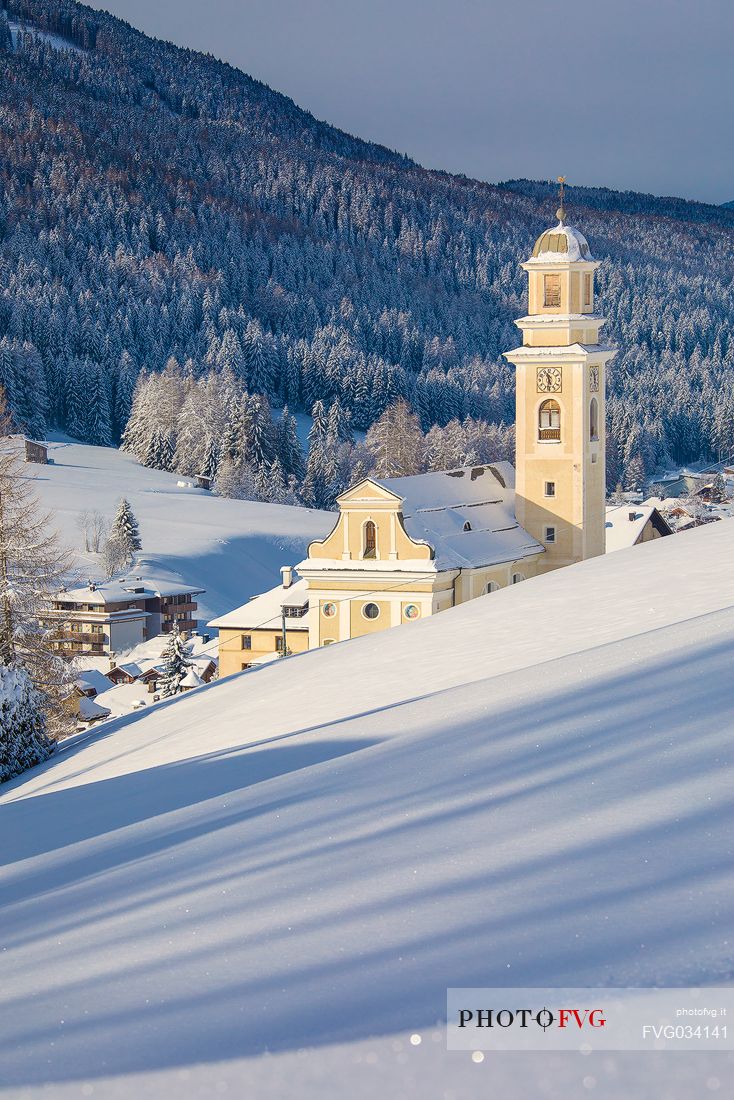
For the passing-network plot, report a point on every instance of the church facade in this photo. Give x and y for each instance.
(406, 548)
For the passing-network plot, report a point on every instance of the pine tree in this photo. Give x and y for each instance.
(287, 444)
(6, 39)
(211, 461)
(340, 424)
(176, 663)
(635, 474)
(24, 740)
(315, 490)
(319, 430)
(125, 532)
(718, 489)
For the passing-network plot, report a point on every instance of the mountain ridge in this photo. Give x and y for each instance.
(156, 202)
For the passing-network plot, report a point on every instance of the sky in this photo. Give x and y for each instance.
(629, 94)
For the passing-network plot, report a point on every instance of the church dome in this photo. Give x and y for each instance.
(561, 244)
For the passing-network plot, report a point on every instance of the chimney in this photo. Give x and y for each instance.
(286, 573)
(633, 516)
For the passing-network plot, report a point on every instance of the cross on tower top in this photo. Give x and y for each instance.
(561, 211)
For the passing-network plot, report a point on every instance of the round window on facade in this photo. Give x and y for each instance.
(329, 610)
(412, 611)
(371, 611)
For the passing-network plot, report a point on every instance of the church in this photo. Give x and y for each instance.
(405, 548)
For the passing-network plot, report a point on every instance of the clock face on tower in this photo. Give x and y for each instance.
(549, 380)
(594, 379)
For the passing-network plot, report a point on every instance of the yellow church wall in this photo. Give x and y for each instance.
(359, 625)
(348, 620)
(369, 583)
(574, 463)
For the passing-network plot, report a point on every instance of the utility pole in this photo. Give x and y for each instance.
(284, 650)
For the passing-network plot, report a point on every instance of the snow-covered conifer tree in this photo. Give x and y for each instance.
(176, 663)
(287, 444)
(718, 489)
(24, 740)
(340, 423)
(125, 531)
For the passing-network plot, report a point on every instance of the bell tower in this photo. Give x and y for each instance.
(559, 390)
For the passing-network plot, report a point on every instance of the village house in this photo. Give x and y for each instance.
(114, 616)
(36, 451)
(632, 524)
(405, 548)
(254, 633)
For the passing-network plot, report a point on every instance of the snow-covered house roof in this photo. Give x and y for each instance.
(150, 672)
(91, 711)
(192, 679)
(130, 668)
(91, 679)
(467, 515)
(626, 522)
(264, 612)
(561, 244)
(123, 589)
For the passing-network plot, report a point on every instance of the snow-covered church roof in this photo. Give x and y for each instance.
(467, 515)
(561, 244)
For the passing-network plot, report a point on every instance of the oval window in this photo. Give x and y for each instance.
(370, 611)
(412, 611)
(329, 610)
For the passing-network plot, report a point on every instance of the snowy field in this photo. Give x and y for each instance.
(232, 548)
(263, 889)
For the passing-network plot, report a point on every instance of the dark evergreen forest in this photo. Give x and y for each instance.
(158, 205)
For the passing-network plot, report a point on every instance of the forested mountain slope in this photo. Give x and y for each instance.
(155, 202)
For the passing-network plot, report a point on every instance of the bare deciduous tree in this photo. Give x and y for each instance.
(115, 555)
(32, 565)
(83, 521)
(98, 528)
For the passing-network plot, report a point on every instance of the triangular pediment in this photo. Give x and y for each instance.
(367, 490)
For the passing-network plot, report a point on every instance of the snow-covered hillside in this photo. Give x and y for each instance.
(232, 548)
(534, 788)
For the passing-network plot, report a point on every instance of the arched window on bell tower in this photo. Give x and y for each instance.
(549, 421)
(594, 420)
(370, 540)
